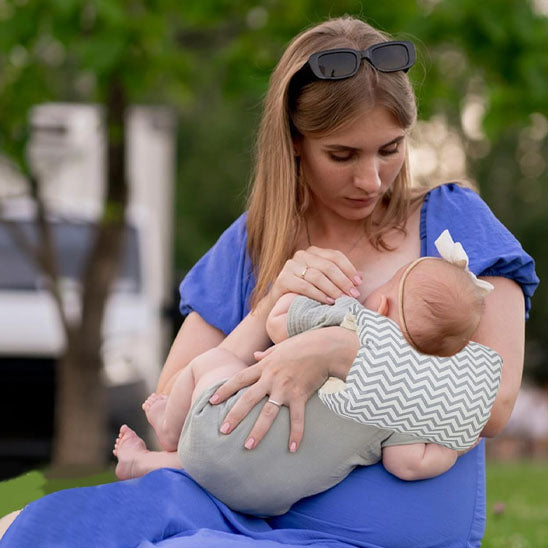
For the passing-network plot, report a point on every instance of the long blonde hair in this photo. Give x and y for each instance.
(278, 197)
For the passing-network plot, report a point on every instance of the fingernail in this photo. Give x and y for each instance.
(214, 398)
(225, 428)
(249, 443)
(354, 292)
(293, 447)
(330, 300)
(358, 280)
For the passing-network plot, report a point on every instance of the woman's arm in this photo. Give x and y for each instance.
(195, 337)
(502, 328)
(418, 460)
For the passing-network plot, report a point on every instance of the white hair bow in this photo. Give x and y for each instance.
(454, 253)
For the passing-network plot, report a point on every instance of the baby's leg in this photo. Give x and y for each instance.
(167, 414)
(135, 460)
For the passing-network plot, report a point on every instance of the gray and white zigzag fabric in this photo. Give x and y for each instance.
(391, 385)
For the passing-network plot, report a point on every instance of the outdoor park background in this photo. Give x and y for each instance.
(482, 86)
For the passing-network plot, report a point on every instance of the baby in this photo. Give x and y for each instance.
(437, 306)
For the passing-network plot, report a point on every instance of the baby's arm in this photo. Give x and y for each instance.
(276, 323)
(418, 460)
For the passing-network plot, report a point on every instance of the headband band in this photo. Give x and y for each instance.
(401, 287)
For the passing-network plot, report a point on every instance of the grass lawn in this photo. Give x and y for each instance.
(517, 500)
(517, 505)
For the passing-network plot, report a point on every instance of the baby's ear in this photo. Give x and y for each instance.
(383, 305)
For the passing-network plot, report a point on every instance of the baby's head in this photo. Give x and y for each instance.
(436, 304)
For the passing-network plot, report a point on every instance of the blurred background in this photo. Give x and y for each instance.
(127, 131)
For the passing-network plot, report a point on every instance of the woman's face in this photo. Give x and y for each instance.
(349, 170)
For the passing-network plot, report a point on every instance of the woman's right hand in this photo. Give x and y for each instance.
(321, 274)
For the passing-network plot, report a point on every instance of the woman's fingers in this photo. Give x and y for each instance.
(296, 417)
(244, 404)
(263, 423)
(329, 271)
(240, 380)
(260, 354)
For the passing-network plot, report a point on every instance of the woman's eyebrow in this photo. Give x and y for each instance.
(341, 148)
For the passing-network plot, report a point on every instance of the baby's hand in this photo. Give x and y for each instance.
(276, 322)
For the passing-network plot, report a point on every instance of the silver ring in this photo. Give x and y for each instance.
(303, 273)
(276, 403)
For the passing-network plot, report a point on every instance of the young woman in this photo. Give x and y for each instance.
(330, 212)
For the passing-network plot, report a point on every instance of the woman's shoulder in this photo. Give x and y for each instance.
(492, 249)
(453, 194)
(236, 231)
(460, 209)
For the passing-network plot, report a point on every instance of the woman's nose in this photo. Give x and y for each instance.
(366, 175)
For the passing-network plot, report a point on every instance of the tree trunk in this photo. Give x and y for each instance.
(81, 414)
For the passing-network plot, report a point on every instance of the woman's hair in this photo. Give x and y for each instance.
(443, 307)
(279, 197)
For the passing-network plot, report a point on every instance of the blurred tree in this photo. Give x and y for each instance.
(111, 53)
(481, 68)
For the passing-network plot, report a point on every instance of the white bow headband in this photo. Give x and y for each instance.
(454, 253)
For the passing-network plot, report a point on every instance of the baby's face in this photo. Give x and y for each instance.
(389, 290)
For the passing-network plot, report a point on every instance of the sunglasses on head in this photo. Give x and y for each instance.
(337, 64)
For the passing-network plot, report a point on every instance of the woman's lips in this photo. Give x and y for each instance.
(361, 202)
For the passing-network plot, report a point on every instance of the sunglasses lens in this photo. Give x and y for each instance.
(391, 57)
(338, 64)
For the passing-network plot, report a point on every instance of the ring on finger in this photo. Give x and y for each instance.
(276, 403)
(303, 273)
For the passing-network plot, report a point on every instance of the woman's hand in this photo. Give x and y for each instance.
(321, 274)
(288, 373)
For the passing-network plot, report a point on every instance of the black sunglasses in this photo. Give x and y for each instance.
(336, 64)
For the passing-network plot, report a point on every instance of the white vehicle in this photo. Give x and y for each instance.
(67, 151)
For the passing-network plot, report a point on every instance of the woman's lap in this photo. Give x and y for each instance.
(168, 509)
(446, 511)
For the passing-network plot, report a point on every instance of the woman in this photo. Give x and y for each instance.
(330, 213)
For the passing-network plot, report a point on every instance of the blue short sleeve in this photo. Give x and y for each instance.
(219, 285)
(491, 247)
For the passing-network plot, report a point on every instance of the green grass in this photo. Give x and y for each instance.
(17, 492)
(517, 500)
(517, 505)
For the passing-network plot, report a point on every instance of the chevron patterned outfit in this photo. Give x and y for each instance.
(370, 508)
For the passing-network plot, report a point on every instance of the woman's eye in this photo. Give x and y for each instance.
(340, 157)
(392, 149)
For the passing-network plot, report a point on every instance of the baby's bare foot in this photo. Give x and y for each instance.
(127, 449)
(154, 408)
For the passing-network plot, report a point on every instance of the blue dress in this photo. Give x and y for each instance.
(369, 509)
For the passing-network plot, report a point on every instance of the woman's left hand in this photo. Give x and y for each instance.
(288, 373)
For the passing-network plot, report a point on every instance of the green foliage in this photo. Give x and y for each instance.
(211, 61)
